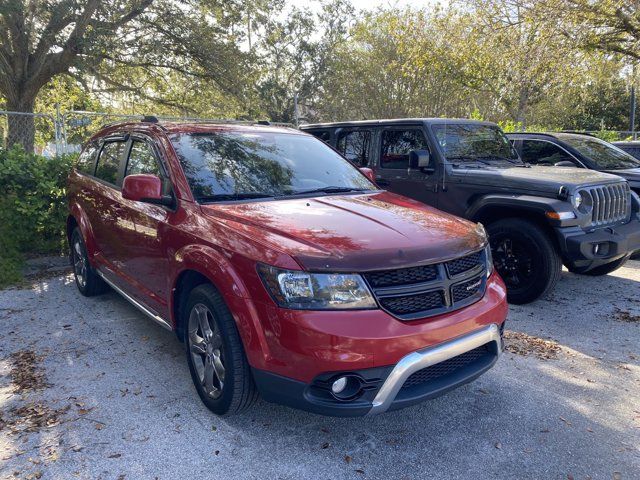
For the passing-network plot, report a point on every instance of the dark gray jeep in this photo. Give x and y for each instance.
(537, 217)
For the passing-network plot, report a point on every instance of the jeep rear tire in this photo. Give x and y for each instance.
(602, 269)
(525, 257)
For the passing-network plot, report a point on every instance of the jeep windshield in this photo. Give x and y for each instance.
(604, 155)
(468, 143)
(242, 165)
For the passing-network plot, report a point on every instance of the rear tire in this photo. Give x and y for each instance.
(217, 362)
(88, 281)
(525, 257)
(602, 269)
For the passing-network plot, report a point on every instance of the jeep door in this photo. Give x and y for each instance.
(393, 171)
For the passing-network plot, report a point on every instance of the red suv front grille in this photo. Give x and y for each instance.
(424, 291)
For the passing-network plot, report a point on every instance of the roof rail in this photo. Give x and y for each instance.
(579, 132)
(149, 119)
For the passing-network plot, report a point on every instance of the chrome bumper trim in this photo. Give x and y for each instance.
(427, 357)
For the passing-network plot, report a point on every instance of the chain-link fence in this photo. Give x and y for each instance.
(38, 132)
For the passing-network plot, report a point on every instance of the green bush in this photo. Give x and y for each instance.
(33, 207)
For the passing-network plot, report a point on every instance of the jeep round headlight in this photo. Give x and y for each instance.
(301, 290)
(577, 199)
(585, 202)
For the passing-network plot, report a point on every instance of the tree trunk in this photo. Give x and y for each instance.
(21, 125)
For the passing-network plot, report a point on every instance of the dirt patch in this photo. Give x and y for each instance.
(26, 374)
(625, 316)
(522, 344)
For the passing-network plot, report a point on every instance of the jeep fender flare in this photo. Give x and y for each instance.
(216, 268)
(530, 203)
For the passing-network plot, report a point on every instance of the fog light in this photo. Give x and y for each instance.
(339, 385)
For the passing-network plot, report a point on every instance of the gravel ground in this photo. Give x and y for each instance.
(107, 395)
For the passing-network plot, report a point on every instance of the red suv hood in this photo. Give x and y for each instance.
(353, 232)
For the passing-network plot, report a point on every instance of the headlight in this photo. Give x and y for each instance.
(316, 291)
(489, 257)
(585, 204)
(577, 199)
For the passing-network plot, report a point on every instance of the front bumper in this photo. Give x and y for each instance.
(578, 247)
(438, 369)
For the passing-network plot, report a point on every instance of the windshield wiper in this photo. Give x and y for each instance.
(503, 159)
(329, 189)
(222, 197)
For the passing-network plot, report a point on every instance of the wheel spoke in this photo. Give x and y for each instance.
(203, 321)
(199, 347)
(218, 367)
(207, 379)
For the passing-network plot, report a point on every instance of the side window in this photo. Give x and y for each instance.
(109, 161)
(354, 146)
(323, 135)
(87, 159)
(537, 152)
(396, 145)
(142, 160)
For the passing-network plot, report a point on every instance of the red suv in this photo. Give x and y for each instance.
(283, 268)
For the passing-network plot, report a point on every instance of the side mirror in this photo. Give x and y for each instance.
(145, 188)
(368, 173)
(421, 159)
(565, 163)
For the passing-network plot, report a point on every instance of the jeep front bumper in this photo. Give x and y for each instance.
(599, 246)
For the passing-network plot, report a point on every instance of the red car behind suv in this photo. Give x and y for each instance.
(283, 268)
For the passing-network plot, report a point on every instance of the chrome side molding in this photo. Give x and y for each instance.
(152, 315)
(427, 357)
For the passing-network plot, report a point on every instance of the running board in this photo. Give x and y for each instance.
(153, 316)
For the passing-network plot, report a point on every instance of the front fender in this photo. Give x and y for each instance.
(530, 203)
(216, 267)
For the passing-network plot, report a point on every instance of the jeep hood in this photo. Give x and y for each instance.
(352, 232)
(536, 179)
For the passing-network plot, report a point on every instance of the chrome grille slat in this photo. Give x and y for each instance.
(611, 204)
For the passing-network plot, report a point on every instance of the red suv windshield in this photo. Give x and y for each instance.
(239, 165)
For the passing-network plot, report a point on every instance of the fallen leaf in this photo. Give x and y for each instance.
(360, 471)
(617, 476)
(498, 445)
(325, 445)
(217, 452)
(347, 458)
(99, 426)
(115, 455)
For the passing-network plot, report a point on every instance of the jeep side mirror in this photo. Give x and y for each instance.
(565, 163)
(145, 188)
(421, 159)
(368, 173)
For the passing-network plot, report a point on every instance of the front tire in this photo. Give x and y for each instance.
(88, 281)
(217, 362)
(525, 257)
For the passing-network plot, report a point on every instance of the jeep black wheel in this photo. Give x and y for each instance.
(602, 269)
(525, 258)
(217, 362)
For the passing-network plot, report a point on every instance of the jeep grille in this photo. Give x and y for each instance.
(423, 291)
(611, 203)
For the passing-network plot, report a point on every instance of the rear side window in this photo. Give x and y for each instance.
(355, 146)
(396, 145)
(87, 159)
(109, 162)
(142, 160)
(536, 152)
(323, 135)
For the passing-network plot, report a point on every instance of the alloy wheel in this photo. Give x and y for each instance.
(206, 350)
(513, 262)
(79, 263)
